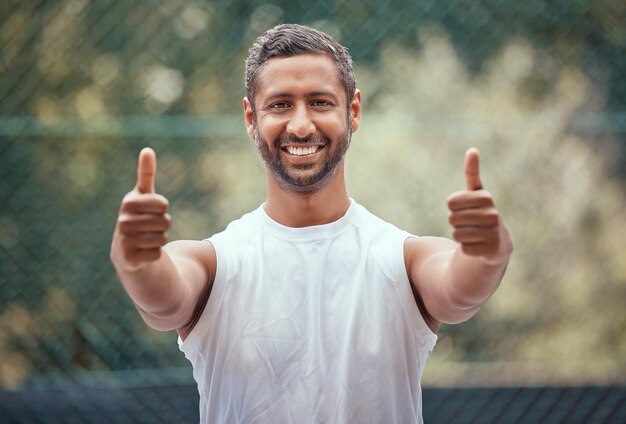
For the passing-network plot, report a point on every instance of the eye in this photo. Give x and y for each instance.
(321, 103)
(279, 105)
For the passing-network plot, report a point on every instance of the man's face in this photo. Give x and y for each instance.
(303, 125)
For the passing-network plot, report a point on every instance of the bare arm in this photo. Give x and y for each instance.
(455, 280)
(167, 283)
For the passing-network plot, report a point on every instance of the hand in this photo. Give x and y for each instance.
(143, 221)
(474, 218)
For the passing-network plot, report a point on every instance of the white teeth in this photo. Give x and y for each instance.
(302, 151)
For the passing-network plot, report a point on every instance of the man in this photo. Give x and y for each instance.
(308, 309)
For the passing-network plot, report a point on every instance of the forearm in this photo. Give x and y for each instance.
(470, 280)
(156, 288)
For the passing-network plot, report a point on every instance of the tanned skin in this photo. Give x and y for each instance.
(298, 97)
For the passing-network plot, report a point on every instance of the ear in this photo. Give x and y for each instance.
(248, 114)
(355, 110)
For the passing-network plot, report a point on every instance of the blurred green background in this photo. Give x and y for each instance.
(538, 86)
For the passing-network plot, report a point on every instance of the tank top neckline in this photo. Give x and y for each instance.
(311, 232)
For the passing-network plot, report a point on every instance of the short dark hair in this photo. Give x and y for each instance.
(288, 40)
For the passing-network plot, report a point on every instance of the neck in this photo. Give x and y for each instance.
(296, 210)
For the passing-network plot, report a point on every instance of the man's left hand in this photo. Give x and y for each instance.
(476, 223)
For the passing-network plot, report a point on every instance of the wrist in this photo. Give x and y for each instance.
(503, 254)
(123, 265)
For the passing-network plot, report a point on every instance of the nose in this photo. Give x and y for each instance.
(300, 123)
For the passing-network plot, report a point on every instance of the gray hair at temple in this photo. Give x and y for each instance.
(290, 40)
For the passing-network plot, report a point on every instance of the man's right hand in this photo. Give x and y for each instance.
(143, 221)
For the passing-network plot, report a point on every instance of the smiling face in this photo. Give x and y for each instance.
(300, 120)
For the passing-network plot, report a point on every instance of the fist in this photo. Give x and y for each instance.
(476, 223)
(143, 221)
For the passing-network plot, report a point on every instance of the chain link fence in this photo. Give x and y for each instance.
(539, 87)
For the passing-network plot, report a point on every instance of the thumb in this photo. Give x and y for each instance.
(146, 170)
(472, 169)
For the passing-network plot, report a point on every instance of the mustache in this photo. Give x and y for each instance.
(310, 139)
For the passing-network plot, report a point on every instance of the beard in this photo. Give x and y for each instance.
(301, 178)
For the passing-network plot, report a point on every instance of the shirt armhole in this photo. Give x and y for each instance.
(212, 303)
(407, 296)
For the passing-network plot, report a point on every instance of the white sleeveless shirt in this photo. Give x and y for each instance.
(310, 325)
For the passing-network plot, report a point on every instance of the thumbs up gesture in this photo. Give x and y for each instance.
(143, 221)
(475, 221)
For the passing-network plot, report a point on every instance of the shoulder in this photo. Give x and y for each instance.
(384, 241)
(249, 222)
(230, 244)
(375, 226)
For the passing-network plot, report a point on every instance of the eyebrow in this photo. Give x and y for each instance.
(311, 94)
